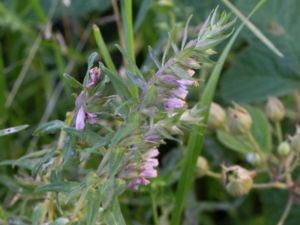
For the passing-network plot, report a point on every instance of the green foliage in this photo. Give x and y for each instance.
(53, 173)
(246, 80)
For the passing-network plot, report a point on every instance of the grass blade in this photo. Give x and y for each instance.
(24, 71)
(2, 88)
(103, 49)
(129, 38)
(196, 138)
(127, 24)
(39, 11)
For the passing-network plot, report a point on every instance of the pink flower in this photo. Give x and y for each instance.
(91, 117)
(152, 135)
(94, 77)
(172, 103)
(80, 119)
(82, 116)
(148, 169)
(180, 92)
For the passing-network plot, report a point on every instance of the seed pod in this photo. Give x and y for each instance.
(239, 120)
(202, 166)
(237, 180)
(284, 148)
(274, 109)
(217, 117)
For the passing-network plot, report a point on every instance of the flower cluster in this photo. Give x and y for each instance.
(174, 90)
(147, 169)
(143, 166)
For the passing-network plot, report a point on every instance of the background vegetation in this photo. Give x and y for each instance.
(42, 40)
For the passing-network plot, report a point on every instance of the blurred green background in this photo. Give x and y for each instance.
(42, 39)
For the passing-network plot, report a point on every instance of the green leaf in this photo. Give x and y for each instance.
(42, 162)
(91, 60)
(72, 131)
(3, 217)
(261, 129)
(113, 215)
(236, 143)
(71, 81)
(132, 124)
(256, 72)
(115, 161)
(93, 204)
(12, 130)
(69, 149)
(150, 95)
(253, 28)
(37, 214)
(28, 161)
(50, 127)
(117, 83)
(58, 187)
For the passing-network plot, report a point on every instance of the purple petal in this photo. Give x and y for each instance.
(91, 117)
(173, 103)
(150, 163)
(144, 181)
(168, 79)
(149, 173)
(80, 119)
(185, 82)
(94, 76)
(180, 92)
(153, 152)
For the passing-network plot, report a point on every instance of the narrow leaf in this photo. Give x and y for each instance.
(49, 127)
(12, 130)
(71, 81)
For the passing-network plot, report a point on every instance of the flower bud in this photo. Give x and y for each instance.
(239, 120)
(167, 3)
(237, 180)
(190, 117)
(295, 141)
(202, 166)
(274, 109)
(216, 117)
(254, 159)
(284, 148)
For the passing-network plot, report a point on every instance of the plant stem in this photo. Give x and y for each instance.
(213, 174)
(278, 185)
(278, 132)
(256, 147)
(118, 21)
(154, 209)
(286, 210)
